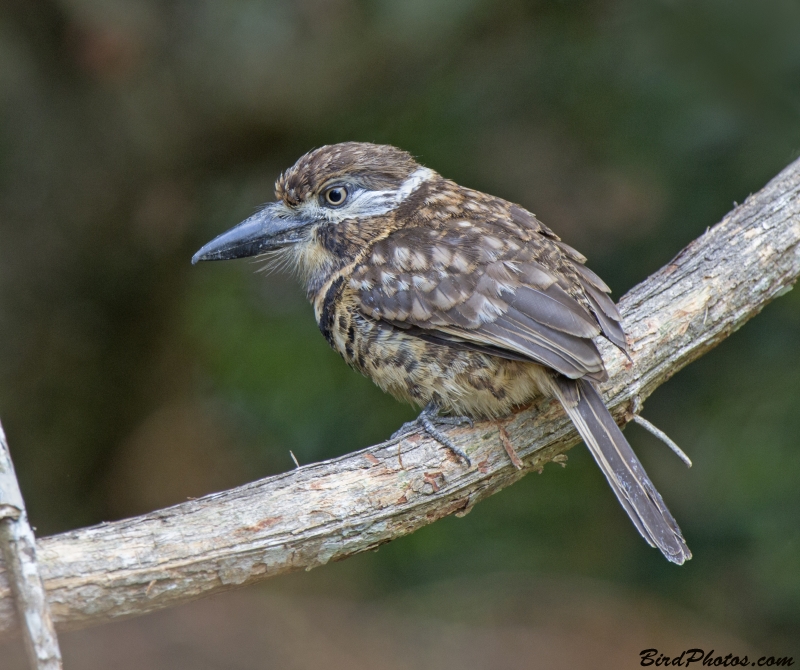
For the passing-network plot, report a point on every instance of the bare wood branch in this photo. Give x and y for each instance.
(331, 510)
(18, 549)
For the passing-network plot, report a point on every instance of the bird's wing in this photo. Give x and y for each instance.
(509, 287)
(499, 283)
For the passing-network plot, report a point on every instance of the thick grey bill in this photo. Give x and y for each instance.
(271, 228)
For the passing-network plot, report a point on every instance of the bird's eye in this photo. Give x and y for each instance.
(336, 196)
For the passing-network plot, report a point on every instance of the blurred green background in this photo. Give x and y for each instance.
(131, 132)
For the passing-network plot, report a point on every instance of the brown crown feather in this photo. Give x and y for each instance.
(373, 165)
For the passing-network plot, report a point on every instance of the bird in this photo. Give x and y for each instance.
(450, 299)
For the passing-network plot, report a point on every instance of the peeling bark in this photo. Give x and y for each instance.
(331, 510)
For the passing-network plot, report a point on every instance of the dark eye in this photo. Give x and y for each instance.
(336, 196)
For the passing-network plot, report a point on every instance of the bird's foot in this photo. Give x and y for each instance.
(428, 419)
(452, 420)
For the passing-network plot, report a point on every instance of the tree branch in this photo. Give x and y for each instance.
(18, 549)
(334, 509)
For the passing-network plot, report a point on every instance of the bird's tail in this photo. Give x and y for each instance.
(622, 468)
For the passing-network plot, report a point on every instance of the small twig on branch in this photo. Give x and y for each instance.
(18, 549)
(661, 435)
(331, 510)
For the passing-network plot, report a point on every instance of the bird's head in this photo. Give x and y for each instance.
(329, 205)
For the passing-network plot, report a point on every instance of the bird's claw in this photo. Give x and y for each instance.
(405, 429)
(441, 438)
(427, 419)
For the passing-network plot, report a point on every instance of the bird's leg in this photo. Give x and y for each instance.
(427, 419)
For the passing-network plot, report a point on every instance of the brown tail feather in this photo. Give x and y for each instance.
(622, 468)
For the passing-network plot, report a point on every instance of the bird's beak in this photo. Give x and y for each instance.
(273, 227)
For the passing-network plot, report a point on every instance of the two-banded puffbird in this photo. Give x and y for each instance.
(450, 299)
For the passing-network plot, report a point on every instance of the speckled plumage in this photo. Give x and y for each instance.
(450, 298)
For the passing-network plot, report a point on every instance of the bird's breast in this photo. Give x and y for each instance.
(418, 371)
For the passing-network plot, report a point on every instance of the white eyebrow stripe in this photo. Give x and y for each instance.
(365, 203)
(413, 182)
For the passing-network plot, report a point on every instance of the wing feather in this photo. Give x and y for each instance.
(607, 314)
(504, 287)
(554, 307)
